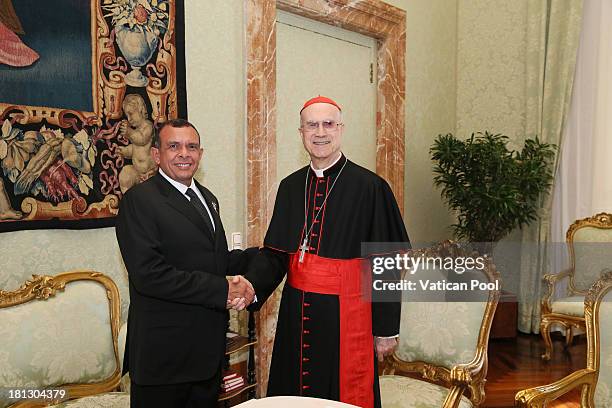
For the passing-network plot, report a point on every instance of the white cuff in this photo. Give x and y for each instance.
(387, 337)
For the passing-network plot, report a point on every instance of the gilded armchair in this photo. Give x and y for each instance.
(596, 379)
(61, 333)
(589, 241)
(442, 341)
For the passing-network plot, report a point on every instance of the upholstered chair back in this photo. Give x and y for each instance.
(444, 333)
(603, 319)
(443, 326)
(441, 333)
(60, 330)
(590, 244)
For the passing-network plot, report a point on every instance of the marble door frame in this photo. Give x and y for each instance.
(387, 24)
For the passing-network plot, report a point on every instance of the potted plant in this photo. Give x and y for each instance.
(492, 189)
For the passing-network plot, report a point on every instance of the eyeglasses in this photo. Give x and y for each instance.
(329, 125)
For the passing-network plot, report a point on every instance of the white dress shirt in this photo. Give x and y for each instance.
(183, 190)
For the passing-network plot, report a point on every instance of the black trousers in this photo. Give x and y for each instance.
(201, 394)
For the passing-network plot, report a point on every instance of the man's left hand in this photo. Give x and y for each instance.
(384, 346)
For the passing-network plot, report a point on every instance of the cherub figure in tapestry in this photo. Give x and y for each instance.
(47, 164)
(138, 129)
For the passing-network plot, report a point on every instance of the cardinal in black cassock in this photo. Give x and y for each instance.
(324, 345)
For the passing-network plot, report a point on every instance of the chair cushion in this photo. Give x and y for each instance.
(106, 400)
(405, 392)
(573, 306)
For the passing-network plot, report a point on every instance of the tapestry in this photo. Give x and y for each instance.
(83, 84)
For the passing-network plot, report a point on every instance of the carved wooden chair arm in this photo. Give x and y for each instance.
(551, 280)
(538, 397)
(463, 375)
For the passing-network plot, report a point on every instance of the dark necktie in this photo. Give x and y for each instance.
(197, 203)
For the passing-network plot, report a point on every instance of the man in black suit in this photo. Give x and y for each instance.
(175, 251)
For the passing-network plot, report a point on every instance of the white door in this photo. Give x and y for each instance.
(312, 59)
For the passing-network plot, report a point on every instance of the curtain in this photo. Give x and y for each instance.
(602, 165)
(553, 33)
(582, 185)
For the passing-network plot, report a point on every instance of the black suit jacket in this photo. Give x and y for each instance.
(177, 318)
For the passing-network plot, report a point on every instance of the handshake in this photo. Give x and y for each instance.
(240, 293)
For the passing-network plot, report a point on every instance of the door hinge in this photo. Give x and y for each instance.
(371, 73)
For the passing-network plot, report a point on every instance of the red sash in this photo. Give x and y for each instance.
(344, 278)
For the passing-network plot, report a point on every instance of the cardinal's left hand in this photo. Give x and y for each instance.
(384, 346)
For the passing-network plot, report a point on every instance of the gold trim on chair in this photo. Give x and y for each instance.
(539, 397)
(44, 287)
(472, 375)
(603, 221)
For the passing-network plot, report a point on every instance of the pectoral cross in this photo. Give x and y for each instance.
(303, 249)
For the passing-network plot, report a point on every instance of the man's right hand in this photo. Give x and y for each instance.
(240, 293)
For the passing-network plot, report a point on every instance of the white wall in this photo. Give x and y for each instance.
(431, 88)
(216, 75)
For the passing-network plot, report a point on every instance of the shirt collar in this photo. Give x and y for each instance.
(179, 186)
(321, 172)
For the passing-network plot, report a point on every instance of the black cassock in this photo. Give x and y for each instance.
(360, 208)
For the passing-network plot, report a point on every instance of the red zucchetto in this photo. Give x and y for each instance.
(320, 99)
